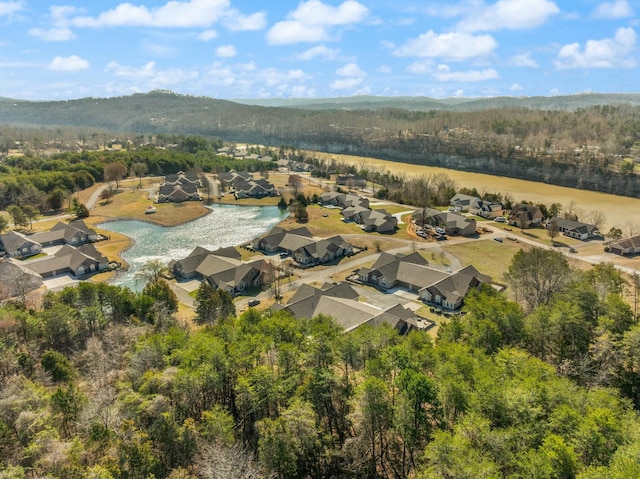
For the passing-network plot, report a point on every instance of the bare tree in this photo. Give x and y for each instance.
(630, 228)
(273, 279)
(596, 218)
(115, 171)
(216, 461)
(553, 230)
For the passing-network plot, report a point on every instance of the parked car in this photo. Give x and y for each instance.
(254, 302)
(439, 230)
(499, 240)
(500, 219)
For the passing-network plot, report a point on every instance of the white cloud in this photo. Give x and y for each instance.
(153, 77)
(241, 23)
(320, 51)
(421, 67)
(352, 75)
(509, 15)
(226, 51)
(350, 70)
(445, 74)
(245, 79)
(614, 52)
(174, 14)
(313, 20)
(452, 46)
(68, 64)
(346, 83)
(523, 60)
(52, 34)
(59, 31)
(386, 69)
(7, 9)
(146, 71)
(208, 35)
(516, 87)
(612, 10)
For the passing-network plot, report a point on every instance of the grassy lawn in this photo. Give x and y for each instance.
(132, 204)
(321, 225)
(488, 256)
(392, 209)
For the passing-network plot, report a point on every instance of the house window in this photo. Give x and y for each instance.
(92, 267)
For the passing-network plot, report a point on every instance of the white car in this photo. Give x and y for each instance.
(500, 219)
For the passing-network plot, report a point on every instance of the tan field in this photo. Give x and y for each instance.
(618, 210)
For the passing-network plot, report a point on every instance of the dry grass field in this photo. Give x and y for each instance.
(487, 256)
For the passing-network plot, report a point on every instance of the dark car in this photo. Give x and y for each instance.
(499, 240)
(254, 302)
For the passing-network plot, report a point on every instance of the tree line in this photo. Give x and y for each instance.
(102, 382)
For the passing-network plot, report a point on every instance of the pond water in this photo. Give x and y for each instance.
(226, 225)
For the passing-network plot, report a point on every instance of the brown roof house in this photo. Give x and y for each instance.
(527, 216)
(280, 240)
(17, 245)
(626, 246)
(340, 301)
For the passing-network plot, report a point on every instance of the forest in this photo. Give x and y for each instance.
(99, 382)
(42, 182)
(593, 147)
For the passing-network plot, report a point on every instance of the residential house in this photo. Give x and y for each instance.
(451, 221)
(527, 216)
(340, 301)
(342, 200)
(75, 233)
(16, 245)
(574, 229)
(490, 210)
(464, 202)
(272, 242)
(81, 261)
(186, 268)
(411, 272)
(254, 188)
(232, 275)
(376, 220)
(322, 251)
(180, 187)
(351, 181)
(229, 177)
(450, 291)
(626, 246)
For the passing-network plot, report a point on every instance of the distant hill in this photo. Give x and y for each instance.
(367, 102)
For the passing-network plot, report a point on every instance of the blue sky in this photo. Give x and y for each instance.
(317, 48)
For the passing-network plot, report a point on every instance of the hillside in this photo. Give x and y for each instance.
(593, 147)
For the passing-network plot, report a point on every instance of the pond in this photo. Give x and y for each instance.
(226, 225)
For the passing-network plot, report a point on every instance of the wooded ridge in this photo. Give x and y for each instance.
(591, 147)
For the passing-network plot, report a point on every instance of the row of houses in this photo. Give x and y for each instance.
(18, 245)
(300, 244)
(413, 273)
(356, 208)
(341, 301)
(243, 185)
(180, 187)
